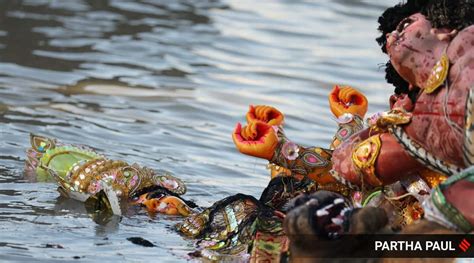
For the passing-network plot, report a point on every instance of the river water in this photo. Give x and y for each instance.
(162, 83)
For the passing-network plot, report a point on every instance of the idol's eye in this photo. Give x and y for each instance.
(404, 24)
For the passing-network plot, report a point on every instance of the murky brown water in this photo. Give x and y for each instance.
(163, 83)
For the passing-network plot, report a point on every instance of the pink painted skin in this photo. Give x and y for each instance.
(401, 101)
(392, 159)
(414, 49)
(429, 126)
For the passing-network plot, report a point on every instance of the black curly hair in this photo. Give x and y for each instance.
(452, 14)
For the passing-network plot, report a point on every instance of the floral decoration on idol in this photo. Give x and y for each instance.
(290, 150)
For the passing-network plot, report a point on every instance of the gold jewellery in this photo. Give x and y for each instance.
(438, 74)
(394, 117)
(364, 157)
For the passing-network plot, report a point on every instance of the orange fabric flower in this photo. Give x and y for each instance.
(347, 100)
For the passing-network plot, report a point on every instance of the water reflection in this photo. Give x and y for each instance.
(162, 83)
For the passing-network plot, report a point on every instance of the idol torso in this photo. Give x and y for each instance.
(438, 122)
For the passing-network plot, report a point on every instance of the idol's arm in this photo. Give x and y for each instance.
(348, 125)
(373, 160)
(349, 107)
(314, 162)
(261, 140)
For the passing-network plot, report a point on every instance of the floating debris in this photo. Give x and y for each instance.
(140, 241)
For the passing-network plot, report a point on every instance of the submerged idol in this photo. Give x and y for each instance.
(104, 185)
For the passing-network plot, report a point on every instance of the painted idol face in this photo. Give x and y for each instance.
(414, 47)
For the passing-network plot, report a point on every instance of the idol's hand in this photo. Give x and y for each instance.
(169, 205)
(347, 100)
(266, 114)
(257, 139)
